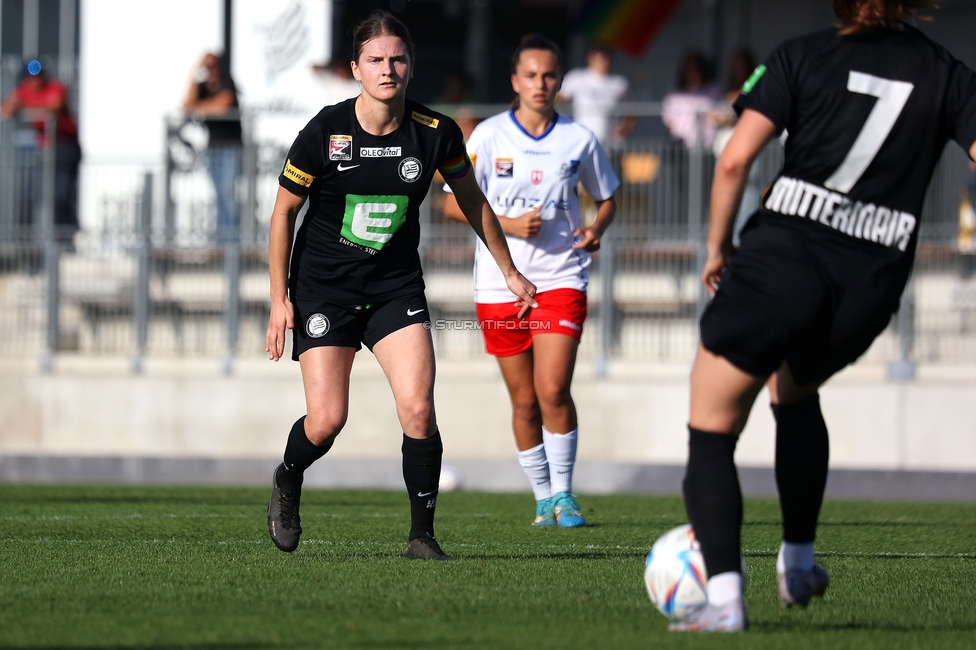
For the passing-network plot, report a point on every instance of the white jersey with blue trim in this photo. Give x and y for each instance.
(519, 172)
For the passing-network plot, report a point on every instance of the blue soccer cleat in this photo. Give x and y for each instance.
(567, 511)
(544, 514)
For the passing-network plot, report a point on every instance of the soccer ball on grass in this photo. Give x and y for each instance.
(674, 574)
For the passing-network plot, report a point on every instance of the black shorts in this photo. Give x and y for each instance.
(815, 301)
(320, 323)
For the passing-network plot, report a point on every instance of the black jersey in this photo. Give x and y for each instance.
(358, 241)
(867, 117)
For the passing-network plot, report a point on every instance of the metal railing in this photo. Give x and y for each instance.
(147, 274)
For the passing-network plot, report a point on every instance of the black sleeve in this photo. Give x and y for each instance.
(769, 89)
(305, 162)
(452, 156)
(961, 105)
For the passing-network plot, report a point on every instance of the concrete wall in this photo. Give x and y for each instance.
(187, 408)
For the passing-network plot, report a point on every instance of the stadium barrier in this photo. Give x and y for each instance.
(147, 274)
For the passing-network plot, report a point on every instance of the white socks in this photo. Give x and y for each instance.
(561, 451)
(794, 556)
(724, 588)
(536, 467)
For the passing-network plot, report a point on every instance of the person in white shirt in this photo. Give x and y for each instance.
(594, 93)
(529, 162)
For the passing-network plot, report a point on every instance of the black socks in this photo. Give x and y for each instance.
(300, 453)
(802, 453)
(713, 499)
(421, 475)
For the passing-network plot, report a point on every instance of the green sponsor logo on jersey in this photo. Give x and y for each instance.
(753, 79)
(373, 220)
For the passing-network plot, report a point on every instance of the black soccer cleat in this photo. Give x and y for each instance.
(425, 548)
(284, 524)
(797, 587)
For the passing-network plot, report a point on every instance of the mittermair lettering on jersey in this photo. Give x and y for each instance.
(426, 120)
(340, 147)
(869, 222)
(410, 169)
(295, 174)
(369, 222)
(317, 326)
(379, 152)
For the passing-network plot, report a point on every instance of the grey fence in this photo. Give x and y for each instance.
(146, 275)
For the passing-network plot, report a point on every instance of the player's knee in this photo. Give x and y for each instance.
(323, 427)
(417, 413)
(553, 394)
(527, 410)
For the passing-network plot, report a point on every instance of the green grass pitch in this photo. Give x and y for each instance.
(132, 567)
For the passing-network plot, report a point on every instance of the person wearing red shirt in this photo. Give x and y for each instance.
(37, 97)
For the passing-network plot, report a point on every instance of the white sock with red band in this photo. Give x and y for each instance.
(561, 451)
(536, 467)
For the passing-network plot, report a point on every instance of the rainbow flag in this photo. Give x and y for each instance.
(628, 25)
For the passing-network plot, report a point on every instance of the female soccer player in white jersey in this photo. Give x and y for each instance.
(528, 162)
(365, 165)
(820, 269)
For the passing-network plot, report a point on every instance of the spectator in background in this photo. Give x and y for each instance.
(335, 81)
(456, 93)
(39, 97)
(594, 93)
(212, 95)
(696, 98)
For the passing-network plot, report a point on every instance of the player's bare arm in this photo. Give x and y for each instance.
(751, 134)
(286, 208)
(524, 226)
(605, 212)
(471, 200)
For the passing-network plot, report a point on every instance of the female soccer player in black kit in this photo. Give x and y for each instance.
(365, 166)
(868, 108)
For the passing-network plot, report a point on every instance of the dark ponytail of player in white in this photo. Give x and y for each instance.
(859, 15)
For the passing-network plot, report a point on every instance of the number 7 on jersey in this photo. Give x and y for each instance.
(892, 96)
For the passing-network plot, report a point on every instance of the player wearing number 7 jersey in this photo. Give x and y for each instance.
(820, 270)
(364, 166)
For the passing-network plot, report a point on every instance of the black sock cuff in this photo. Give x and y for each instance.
(715, 442)
(804, 408)
(424, 448)
(300, 452)
(299, 438)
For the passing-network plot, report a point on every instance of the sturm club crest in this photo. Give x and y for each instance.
(410, 169)
(317, 326)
